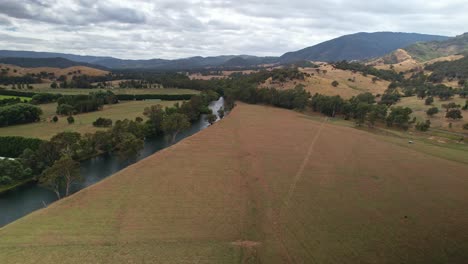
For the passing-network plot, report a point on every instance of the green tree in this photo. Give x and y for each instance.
(335, 84)
(450, 105)
(174, 123)
(454, 114)
(55, 119)
(13, 171)
(61, 176)
(423, 126)
(155, 115)
(70, 120)
(432, 111)
(67, 142)
(211, 118)
(429, 100)
(376, 113)
(221, 113)
(129, 146)
(364, 98)
(399, 116)
(65, 109)
(361, 111)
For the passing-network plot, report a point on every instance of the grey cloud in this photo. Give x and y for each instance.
(5, 21)
(183, 28)
(14, 40)
(60, 12)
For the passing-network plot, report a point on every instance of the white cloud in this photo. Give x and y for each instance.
(175, 29)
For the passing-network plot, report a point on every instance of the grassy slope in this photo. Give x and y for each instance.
(322, 83)
(438, 121)
(83, 122)
(263, 185)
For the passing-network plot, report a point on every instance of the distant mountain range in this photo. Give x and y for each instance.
(56, 62)
(357, 46)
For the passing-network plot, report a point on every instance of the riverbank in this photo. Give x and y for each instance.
(5, 189)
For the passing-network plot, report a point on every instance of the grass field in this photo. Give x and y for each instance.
(11, 96)
(83, 122)
(264, 185)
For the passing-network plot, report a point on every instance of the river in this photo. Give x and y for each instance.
(26, 199)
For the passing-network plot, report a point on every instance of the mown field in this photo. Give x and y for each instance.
(46, 129)
(264, 185)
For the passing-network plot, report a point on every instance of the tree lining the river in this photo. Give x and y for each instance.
(43, 163)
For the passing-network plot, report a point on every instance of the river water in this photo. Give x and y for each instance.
(26, 199)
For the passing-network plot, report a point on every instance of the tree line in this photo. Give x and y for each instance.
(20, 113)
(74, 104)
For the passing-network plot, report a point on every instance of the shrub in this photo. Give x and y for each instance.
(429, 100)
(55, 119)
(19, 114)
(65, 109)
(465, 126)
(13, 146)
(335, 84)
(454, 114)
(432, 111)
(102, 122)
(44, 98)
(70, 120)
(423, 126)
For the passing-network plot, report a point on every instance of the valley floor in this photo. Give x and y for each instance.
(45, 129)
(264, 185)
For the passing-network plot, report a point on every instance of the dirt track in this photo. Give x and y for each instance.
(232, 194)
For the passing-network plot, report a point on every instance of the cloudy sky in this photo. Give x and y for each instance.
(142, 29)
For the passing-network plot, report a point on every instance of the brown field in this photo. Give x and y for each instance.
(57, 71)
(321, 83)
(264, 185)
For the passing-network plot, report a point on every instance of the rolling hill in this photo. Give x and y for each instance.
(320, 194)
(358, 46)
(435, 49)
(423, 55)
(43, 55)
(45, 62)
(71, 71)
